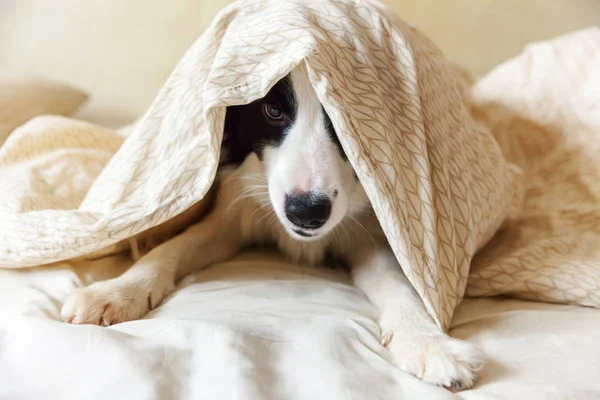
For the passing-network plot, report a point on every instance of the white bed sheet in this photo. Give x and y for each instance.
(260, 328)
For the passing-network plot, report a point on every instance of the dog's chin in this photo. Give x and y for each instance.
(304, 235)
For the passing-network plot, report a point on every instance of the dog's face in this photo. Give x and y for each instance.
(311, 185)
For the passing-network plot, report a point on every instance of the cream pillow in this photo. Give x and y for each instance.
(22, 99)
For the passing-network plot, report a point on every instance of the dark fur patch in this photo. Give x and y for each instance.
(247, 130)
(333, 135)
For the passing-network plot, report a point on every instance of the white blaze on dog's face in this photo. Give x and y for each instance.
(312, 186)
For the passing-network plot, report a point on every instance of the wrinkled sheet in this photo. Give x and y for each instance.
(261, 328)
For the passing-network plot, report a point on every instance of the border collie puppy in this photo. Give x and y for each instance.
(286, 179)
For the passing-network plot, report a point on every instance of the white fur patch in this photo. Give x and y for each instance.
(309, 161)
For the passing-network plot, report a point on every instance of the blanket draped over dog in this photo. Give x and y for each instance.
(436, 175)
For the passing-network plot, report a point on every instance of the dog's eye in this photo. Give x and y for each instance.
(273, 111)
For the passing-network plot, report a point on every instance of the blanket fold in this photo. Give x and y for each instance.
(544, 110)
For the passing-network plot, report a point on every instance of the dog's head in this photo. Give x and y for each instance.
(311, 185)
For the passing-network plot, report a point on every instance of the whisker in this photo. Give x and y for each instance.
(365, 229)
(343, 225)
(241, 197)
(269, 215)
(365, 209)
(342, 243)
(252, 177)
(256, 186)
(259, 208)
(257, 193)
(273, 219)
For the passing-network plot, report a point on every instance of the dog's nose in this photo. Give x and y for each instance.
(307, 210)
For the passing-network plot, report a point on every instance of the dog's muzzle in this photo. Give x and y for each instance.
(307, 210)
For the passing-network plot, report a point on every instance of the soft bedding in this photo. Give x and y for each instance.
(23, 98)
(261, 328)
(444, 165)
(258, 327)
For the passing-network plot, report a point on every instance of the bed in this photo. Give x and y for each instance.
(260, 327)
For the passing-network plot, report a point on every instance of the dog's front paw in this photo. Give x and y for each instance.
(108, 303)
(435, 357)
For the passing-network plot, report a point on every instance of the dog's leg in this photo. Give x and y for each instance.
(417, 344)
(143, 286)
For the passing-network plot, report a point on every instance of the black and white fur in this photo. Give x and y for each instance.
(286, 180)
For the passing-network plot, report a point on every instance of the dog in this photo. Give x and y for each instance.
(284, 179)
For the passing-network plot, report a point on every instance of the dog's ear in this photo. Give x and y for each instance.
(236, 145)
(231, 121)
(230, 132)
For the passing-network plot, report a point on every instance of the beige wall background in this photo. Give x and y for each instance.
(121, 51)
